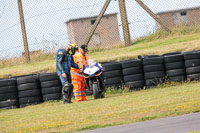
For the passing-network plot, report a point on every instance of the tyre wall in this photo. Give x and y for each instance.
(154, 71)
(51, 88)
(192, 63)
(175, 67)
(8, 94)
(29, 91)
(113, 74)
(133, 76)
(146, 71)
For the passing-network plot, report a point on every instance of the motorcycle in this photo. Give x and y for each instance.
(94, 79)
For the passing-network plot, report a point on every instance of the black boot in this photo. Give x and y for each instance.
(67, 101)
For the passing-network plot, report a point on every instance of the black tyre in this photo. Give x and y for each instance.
(176, 72)
(8, 89)
(172, 53)
(28, 86)
(153, 60)
(10, 107)
(194, 76)
(151, 86)
(95, 90)
(153, 68)
(55, 96)
(174, 58)
(51, 83)
(192, 63)
(112, 74)
(28, 104)
(111, 66)
(131, 63)
(116, 80)
(29, 93)
(27, 79)
(132, 70)
(174, 65)
(33, 99)
(7, 82)
(153, 75)
(192, 55)
(51, 90)
(178, 78)
(135, 84)
(48, 76)
(7, 96)
(8, 103)
(22, 76)
(193, 70)
(134, 77)
(154, 82)
(102, 95)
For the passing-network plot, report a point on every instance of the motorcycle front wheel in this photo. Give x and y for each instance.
(95, 90)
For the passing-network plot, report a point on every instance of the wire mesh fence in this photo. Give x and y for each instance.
(51, 24)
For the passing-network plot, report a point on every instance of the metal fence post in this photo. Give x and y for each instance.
(23, 31)
(124, 20)
(97, 21)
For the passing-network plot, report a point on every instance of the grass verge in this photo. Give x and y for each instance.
(160, 46)
(180, 39)
(119, 108)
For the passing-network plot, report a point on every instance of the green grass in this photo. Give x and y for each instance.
(118, 108)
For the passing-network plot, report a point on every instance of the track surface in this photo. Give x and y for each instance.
(177, 124)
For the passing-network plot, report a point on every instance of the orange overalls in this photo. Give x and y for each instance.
(78, 78)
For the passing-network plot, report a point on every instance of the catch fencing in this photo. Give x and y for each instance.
(51, 25)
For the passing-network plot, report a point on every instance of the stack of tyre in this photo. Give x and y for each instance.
(8, 94)
(133, 74)
(113, 74)
(154, 71)
(29, 92)
(175, 66)
(51, 87)
(192, 63)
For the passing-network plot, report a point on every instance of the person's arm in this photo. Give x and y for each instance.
(74, 65)
(78, 60)
(59, 61)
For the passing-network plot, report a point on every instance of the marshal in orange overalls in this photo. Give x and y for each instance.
(78, 78)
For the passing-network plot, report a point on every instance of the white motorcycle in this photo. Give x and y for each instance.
(94, 79)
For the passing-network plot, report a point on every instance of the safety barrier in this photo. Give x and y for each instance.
(133, 74)
(147, 71)
(113, 74)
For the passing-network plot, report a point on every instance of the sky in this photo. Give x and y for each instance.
(45, 20)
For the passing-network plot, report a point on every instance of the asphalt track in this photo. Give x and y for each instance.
(178, 124)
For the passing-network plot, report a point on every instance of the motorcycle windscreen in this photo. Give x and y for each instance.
(91, 71)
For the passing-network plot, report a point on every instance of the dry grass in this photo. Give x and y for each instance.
(161, 46)
(182, 39)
